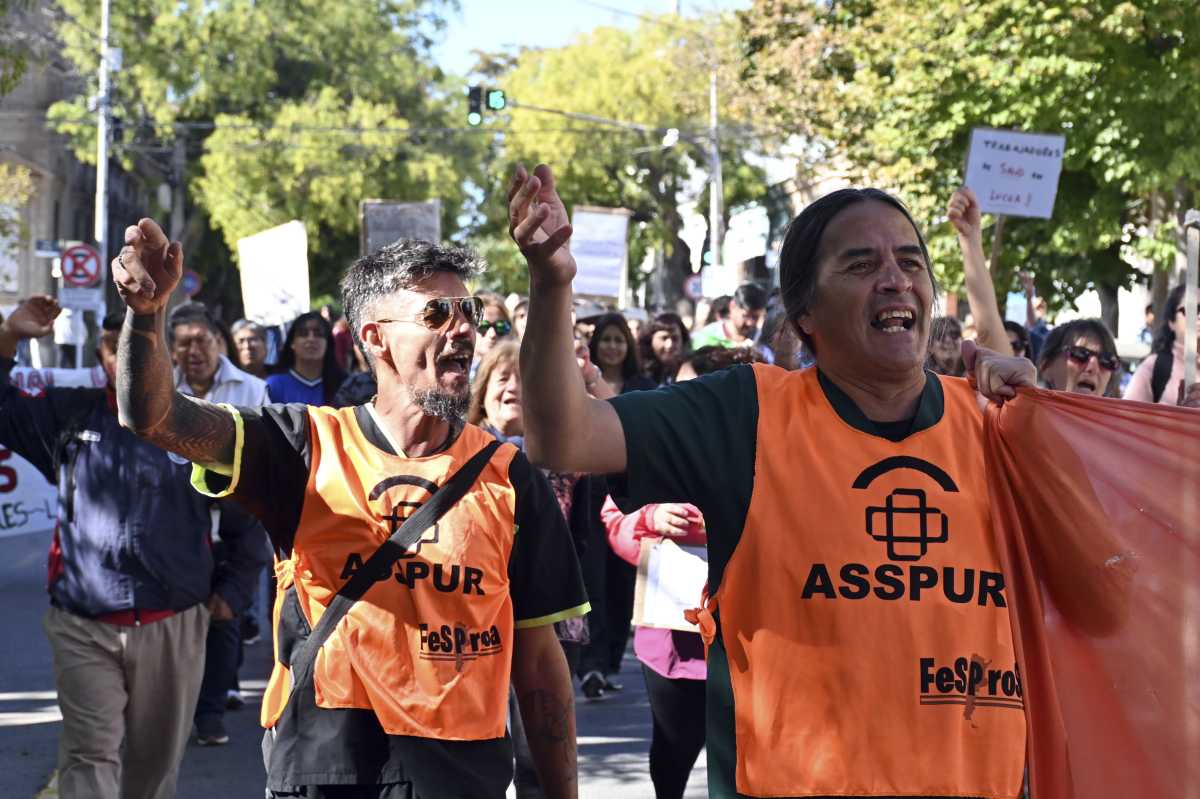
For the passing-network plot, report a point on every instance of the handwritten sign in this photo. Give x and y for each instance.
(1015, 174)
(28, 502)
(274, 267)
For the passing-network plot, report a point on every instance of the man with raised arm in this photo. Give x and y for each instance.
(860, 643)
(406, 699)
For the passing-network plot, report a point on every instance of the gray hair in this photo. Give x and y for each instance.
(400, 265)
(248, 324)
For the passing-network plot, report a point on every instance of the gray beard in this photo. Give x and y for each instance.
(441, 404)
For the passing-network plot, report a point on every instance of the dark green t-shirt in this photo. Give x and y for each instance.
(696, 442)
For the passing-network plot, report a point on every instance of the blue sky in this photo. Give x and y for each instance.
(495, 24)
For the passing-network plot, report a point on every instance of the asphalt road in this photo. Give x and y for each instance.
(614, 734)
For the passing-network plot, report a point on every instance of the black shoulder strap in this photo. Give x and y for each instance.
(389, 552)
(1163, 361)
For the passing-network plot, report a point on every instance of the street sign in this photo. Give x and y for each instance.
(82, 279)
(46, 248)
(190, 283)
(382, 222)
(693, 287)
(81, 266)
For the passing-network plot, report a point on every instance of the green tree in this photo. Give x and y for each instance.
(298, 108)
(655, 78)
(892, 88)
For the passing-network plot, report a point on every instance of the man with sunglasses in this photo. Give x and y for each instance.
(408, 695)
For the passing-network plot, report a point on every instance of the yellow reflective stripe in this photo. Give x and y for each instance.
(542, 621)
(200, 473)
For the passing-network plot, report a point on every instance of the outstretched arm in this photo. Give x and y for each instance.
(146, 271)
(565, 429)
(981, 293)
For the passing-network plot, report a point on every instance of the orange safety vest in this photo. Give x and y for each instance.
(863, 612)
(429, 647)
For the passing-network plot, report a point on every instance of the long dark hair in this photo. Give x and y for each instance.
(1164, 339)
(630, 367)
(655, 369)
(798, 257)
(331, 374)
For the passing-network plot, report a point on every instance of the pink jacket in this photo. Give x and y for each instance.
(1139, 385)
(625, 530)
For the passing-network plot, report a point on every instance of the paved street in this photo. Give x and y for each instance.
(614, 735)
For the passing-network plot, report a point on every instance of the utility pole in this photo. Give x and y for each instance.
(103, 103)
(715, 190)
(179, 187)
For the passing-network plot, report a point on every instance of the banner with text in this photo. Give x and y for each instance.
(28, 501)
(1015, 174)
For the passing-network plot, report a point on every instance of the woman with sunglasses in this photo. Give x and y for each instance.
(493, 326)
(1081, 357)
(308, 370)
(1159, 377)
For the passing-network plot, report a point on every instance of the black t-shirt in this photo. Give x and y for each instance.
(544, 583)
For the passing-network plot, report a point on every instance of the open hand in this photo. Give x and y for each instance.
(1027, 284)
(148, 267)
(538, 223)
(997, 377)
(964, 214)
(34, 317)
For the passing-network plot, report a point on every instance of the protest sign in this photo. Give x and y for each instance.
(28, 501)
(274, 267)
(1015, 174)
(382, 222)
(599, 246)
(670, 580)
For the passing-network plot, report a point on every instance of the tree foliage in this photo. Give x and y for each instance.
(654, 78)
(892, 89)
(300, 109)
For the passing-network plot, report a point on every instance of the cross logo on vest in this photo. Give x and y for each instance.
(402, 509)
(906, 522)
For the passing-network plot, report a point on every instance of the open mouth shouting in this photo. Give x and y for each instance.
(455, 362)
(894, 320)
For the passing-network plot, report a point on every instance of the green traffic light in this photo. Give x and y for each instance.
(496, 101)
(474, 118)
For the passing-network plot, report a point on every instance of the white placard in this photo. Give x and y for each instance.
(599, 245)
(670, 580)
(1015, 174)
(274, 267)
(28, 502)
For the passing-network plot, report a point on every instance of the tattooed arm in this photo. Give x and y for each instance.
(547, 701)
(146, 271)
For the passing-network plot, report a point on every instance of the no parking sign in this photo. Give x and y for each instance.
(82, 275)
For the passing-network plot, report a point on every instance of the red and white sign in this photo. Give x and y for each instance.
(81, 266)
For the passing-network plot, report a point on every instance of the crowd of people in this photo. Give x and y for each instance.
(485, 471)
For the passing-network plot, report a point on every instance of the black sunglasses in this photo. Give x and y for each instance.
(1081, 355)
(438, 312)
(502, 327)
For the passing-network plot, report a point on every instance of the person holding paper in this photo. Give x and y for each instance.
(860, 636)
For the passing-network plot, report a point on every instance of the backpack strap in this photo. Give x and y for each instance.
(1163, 361)
(305, 654)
